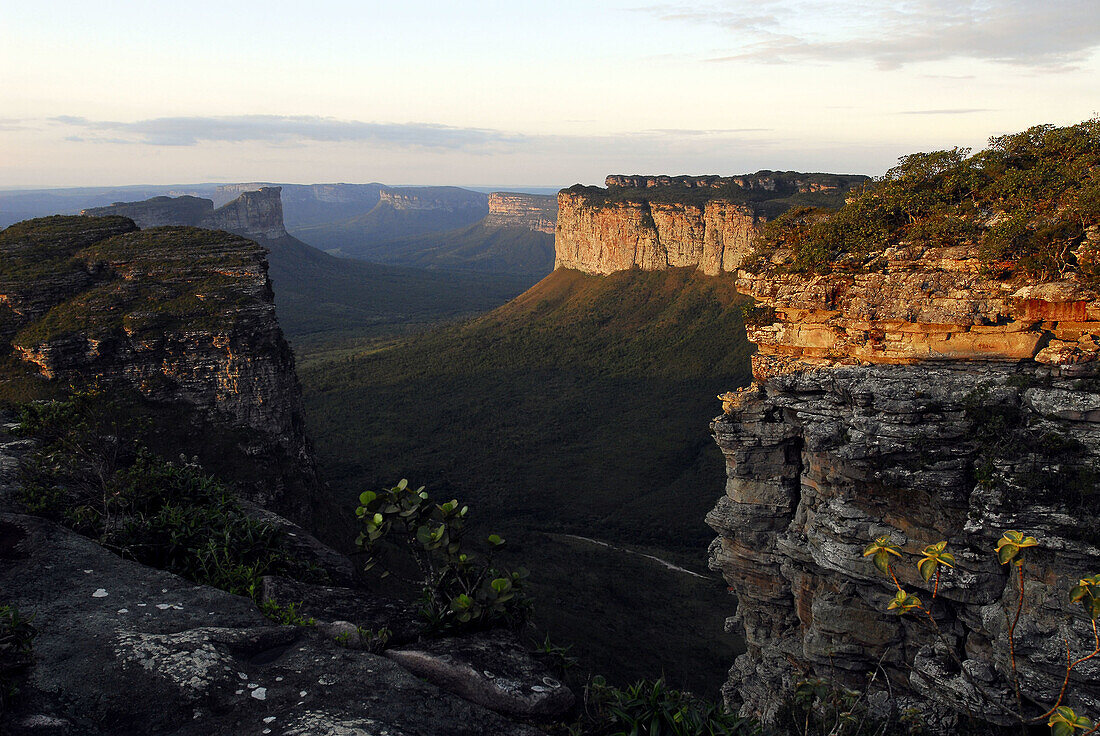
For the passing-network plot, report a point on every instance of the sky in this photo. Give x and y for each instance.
(524, 92)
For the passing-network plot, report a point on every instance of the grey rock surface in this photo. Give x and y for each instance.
(821, 462)
(126, 649)
(490, 669)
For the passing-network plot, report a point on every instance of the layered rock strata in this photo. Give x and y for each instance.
(713, 237)
(183, 316)
(925, 401)
(659, 222)
(535, 212)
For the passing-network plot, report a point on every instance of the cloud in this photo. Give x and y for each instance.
(287, 129)
(715, 132)
(738, 17)
(947, 111)
(1037, 34)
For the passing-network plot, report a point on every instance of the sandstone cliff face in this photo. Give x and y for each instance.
(181, 315)
(924, 402)
(256, 214)
(652, 236)
(532, 211)
(658, 222)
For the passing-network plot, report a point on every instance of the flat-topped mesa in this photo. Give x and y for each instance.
(186, 211)
(183, 317)
(447, 199)
(923, 392)
(304, 193)
(659, 222)
(257, 214)
(537, 212)
(253, 214)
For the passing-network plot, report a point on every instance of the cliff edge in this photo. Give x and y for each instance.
(256, 214)
(932, 381)
(659, 222)
(181, 316)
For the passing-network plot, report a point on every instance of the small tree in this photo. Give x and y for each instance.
(459, 588)
(1011, 550)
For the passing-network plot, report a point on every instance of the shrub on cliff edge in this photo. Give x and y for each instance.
(460, 588)
(92, 473)
(16, 651)
(1028, 201)
(1011, 550)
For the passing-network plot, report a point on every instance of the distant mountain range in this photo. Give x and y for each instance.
(447, 228)
(398, 213)
(515, 234)
(322, 298)
(17, 205)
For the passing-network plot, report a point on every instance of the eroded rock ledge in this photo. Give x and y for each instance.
(923, 401)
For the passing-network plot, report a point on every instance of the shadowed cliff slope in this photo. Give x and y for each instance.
(580, 407)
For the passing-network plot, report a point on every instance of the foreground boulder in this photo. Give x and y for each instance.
(126, 649)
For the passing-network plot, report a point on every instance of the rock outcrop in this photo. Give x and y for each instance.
(925, 400)
(652, 236)
(184, 317)
(660, 222)
(535, 212)
(207, 662)
(768, 181)
(186, 210)
(256, 214)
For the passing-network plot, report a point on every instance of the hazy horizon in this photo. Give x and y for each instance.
(433, 93)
